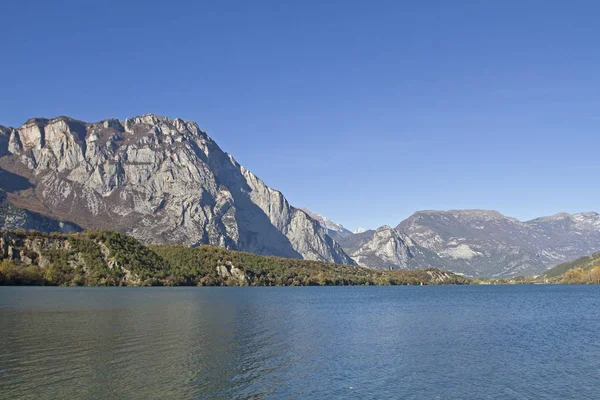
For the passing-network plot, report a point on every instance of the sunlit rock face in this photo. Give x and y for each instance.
(386, 248)
(161, 180)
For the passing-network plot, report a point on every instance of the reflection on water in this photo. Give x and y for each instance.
(527, 342)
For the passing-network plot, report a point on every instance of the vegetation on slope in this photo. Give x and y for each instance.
(515, 280)
(199, 266)
(584, 263)
(584, 270)
(102, 258)
(89, 258)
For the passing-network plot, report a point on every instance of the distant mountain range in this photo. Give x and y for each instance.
(476, 242)
(166, 181)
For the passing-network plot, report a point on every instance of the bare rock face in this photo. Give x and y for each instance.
(386, 248)
(161, 180)
(319, 247)
(231, 272)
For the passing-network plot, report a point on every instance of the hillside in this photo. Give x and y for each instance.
(579, 271)
(13, 217)
(104, 258)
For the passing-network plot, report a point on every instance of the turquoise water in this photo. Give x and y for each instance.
(451, 342)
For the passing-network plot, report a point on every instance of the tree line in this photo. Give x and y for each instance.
(105, 258)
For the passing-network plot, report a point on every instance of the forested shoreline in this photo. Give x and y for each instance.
(105, 258)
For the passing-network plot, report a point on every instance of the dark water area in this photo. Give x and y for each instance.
(444, 342)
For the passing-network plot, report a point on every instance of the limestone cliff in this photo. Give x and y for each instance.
(161, 180)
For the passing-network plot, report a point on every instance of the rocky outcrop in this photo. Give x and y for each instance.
(161, 180)
(439, 277)
(31, 249)
(229, 272)
(79, 259)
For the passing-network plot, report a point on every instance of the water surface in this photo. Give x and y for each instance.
(451, 342)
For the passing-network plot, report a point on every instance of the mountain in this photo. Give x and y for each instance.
(333, 229)
(386, 248)
(166, 181)
(487, 243)
(161, 180)
(359, 230)
(565, 237)
(477, 242)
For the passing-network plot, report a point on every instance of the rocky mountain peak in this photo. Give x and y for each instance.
(162, 180)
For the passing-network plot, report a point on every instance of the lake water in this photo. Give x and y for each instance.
(452, 342)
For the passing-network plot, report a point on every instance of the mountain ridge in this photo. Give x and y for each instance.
(165, 180)
(161, 180)
(477, 242)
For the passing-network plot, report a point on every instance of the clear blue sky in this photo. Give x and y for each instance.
(363, 111)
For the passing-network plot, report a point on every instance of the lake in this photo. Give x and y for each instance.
(438, 342)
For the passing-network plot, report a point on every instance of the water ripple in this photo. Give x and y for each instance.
(513, 342)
